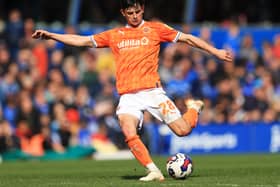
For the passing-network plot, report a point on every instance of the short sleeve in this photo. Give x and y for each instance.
(101, 39)
(167, 33)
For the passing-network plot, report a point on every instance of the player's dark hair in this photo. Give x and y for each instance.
(128, 3)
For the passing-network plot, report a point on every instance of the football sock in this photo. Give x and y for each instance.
(139, 150)
(152, 167)
(191, 117)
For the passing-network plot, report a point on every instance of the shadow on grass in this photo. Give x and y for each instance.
(136, 177)
(131, 177)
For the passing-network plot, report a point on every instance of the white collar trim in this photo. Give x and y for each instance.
(128, 26)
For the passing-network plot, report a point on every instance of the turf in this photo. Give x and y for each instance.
(214, 170)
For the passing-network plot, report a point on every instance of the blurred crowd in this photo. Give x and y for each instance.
(53, 96)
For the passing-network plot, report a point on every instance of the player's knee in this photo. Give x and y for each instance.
(185, 131)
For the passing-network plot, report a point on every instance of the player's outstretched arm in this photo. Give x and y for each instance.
(199, 43)
(69, 39)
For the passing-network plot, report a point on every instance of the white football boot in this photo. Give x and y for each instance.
(153, 176)
(195, 104)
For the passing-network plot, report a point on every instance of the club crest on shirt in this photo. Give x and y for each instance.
(146, 30)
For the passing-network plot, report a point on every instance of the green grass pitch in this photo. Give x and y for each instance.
(209, 170)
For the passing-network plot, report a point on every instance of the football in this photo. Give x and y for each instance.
(179, 166)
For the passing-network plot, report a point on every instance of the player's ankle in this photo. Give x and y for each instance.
(197, 105)
(152, 167)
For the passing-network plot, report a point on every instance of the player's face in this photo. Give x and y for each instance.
(133, 15)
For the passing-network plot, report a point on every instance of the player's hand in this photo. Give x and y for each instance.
(41, 34)
(225, 55)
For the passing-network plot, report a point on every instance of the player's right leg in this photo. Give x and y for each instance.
(129, 125)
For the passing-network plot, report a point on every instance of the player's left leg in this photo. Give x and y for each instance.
(184, 125)
(129, 125)
(164, 109)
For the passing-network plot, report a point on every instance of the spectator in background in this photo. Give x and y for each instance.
(67, 97)
(236, 111)
(105, 61)
(74, 125)
(40, 55)
(14, 32)
(70, 50)
(205, 34)
(232, 40)
(224, 99)
(84, 103)
(72, 73)
(208, 80)
(25, 60)
(26, 40)
(56, 78)
(270, 116)
(24, 133)
(267, 52)
(28, 113)
(8, 140)
(39, 99)
(167, 63)
(101, 141)
(106, 101)
(2, 32)
(90, 75)
(10, 110)
(56, 60)
(9, 86)
(26, 82)
(47, 143)
(84, 134)
(208, 115)
(60, 130)
(247, 50)
(274, 69)
(178, 86)
(5, 59)
(276, 46)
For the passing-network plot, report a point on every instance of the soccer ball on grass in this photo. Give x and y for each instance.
(179, 166)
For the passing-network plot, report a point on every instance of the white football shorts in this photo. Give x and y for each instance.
(154, 100)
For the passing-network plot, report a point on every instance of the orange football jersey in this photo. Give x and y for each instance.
(136, 53)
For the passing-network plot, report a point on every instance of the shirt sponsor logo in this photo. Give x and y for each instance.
(133, 43)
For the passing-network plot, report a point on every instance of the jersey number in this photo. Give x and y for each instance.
(167, 107)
